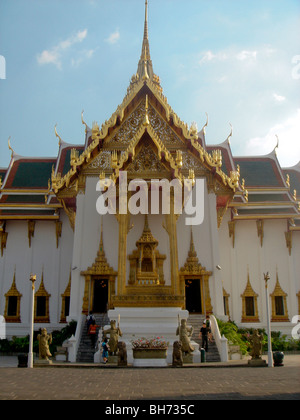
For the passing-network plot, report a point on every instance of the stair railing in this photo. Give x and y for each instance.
(221, 342)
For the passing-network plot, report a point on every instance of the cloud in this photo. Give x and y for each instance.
(227, 54)
(49, 57)
(279, 98)
(246, 55)
(210, 56)
(114, 37)
(81, 57)
(289, 146)
(55, 54)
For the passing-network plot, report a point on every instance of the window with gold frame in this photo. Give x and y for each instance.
(65, 304)
(279, 303)
(226, 297)
(13, 303)
(249, 303)
(41, 304)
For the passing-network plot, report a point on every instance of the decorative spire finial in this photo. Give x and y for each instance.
(57, 135)
(10, 148)
(145, 70)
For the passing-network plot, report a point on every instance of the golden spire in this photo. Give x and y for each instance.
(146, 47)
(145, 69)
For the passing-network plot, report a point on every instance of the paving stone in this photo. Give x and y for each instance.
(168, 384)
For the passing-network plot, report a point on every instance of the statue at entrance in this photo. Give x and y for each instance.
(44, 340)
(185, 333)
(256, 341)
(114, 333)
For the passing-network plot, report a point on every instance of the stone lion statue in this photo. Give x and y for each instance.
(177, 354)
(122, 354)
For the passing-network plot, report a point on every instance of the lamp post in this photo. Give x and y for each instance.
(30, 354)
(270, 354)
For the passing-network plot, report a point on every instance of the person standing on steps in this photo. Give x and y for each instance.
(89, 319)
(203, 335)
(208, 327)
(93, 333)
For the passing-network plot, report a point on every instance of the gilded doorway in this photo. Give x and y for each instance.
(100, 296)
(193, 299)
(194, 283)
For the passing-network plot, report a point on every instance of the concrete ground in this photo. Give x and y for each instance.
(233, 381)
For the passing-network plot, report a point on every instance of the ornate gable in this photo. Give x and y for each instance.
(179, 148)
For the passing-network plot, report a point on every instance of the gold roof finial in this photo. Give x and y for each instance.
(57, 135)
(10, 148)
(145, 69)
(83, 122)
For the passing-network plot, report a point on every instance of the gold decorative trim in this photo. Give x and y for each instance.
(260, 231)
(263, 217)
(226, 297)
(31, 229)
(71, 213)
(25, 217)
(231, 228)
(289, 241)
(3, 238)
(58, 231)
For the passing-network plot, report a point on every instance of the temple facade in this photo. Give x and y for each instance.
(151, 260)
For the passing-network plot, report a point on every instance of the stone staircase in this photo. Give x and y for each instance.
(196, 320)
(86, 352)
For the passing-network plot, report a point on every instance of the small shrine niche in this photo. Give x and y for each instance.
(146, 263)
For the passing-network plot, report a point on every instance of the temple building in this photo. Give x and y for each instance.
(148, 262)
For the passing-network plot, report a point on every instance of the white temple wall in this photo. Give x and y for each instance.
(43, 255)
(271, 257)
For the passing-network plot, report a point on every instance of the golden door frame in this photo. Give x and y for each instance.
(193, 270)
(88, 298)
(99, 270)
(206, 305)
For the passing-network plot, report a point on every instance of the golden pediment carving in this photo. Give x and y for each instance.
(146, 263)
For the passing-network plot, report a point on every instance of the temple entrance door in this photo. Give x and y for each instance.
(100, 296)
(193, 296)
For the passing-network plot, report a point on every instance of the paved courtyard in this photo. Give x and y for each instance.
(114, 384)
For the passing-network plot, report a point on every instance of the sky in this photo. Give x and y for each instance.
(236, 60)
